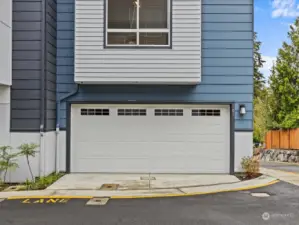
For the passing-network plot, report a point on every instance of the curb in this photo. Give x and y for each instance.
(196, 193)
(147, 196)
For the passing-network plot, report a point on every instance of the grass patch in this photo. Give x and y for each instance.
(42, 183)
(2, 187)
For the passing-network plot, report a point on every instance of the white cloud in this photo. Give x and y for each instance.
(285, 8)
(269, 61)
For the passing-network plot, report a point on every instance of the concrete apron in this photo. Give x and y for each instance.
(126, 182)
(259, 182)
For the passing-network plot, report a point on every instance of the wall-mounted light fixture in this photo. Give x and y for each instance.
(242, 110)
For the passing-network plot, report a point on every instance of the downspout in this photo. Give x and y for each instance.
(57, 158)
(42, 106)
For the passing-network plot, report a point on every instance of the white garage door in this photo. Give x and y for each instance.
(150, 138)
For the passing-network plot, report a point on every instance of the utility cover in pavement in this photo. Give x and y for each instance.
(97, 201)
(109, 187)
(147, 178)
(260, 195)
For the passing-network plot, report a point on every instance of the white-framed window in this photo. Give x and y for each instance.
(144, 23)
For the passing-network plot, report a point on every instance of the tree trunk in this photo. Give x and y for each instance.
(30, 169)
(4, 177)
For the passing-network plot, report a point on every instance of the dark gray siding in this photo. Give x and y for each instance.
(34, 50)
(50, 105)
(26, 65)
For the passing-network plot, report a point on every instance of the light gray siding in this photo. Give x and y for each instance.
(179, 64)
(34, 50)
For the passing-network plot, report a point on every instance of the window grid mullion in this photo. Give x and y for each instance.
(137, 23)
(137, 30)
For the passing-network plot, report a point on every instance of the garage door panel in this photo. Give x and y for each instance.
(110, 149)
(181, 151)
(193, 165)
(113, 165)
(146, 135)
(150, 138)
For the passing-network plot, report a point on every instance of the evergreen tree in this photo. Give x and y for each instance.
(284, 83)
(259, 79)
(260, 93)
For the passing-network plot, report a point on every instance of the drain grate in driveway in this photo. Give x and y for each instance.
(260, 195)
(147, 178)
(98, 201)
(109, 187)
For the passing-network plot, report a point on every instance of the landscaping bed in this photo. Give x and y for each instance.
(251, 168)
(9, 162)
(40, 183)
(242, 176)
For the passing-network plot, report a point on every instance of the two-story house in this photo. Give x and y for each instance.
(137, 86)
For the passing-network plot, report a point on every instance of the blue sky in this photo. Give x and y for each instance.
(272, 22)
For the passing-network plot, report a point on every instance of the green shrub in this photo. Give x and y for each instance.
(28, 150)
(250, 166)
(8, 161)
(41, 183)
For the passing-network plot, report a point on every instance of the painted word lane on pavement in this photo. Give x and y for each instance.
(45, 200)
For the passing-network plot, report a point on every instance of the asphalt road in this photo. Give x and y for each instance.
(235, 208)
(281, 166)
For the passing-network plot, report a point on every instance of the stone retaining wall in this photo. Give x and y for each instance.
(279, 155)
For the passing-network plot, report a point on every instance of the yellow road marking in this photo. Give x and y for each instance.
(47, 197)
(45, 201)
(196, 193)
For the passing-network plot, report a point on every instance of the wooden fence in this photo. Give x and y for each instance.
(282, 139)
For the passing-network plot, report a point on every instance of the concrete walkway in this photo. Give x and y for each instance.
(290, 177)
(288, 172)
(283, 166)
(169, 189)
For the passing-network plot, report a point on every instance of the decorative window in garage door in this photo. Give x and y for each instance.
(131, 112)
(95, 112)
(169, 112)
(205, 112)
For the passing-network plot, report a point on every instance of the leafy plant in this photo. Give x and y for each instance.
(7, 160)
(29, 150)
(251, 166)
(43, 182)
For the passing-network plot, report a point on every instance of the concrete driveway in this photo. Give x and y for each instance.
(93, 181)
(235, 208)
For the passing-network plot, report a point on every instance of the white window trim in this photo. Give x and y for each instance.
(138, 30)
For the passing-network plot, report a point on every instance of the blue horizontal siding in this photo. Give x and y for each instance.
(224, 18)
(227, 65)
(223, 2)
(226, 26)
(227, 44)
(206, 80)
(226, 9)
